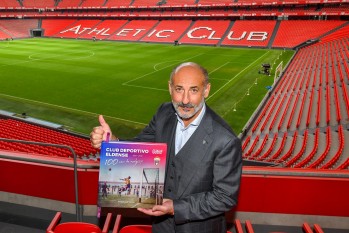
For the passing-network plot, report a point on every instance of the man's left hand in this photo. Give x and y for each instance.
(159, 210)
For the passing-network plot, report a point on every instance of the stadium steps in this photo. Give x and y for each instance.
(226, 33)
(185, 31)
(123, 24)
(151, 29)
(276, 28)
(333, 30)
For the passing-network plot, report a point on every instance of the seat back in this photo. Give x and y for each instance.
(136, 229)
(77, 227)
(81, 227)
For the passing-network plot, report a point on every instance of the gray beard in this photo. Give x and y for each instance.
(187, 116)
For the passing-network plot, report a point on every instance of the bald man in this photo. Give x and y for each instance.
(204, 160)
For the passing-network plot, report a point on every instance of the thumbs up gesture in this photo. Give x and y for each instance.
(99, 133)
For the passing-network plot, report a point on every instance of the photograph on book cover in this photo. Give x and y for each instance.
(131, 174)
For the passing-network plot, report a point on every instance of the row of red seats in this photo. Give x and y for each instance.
(295, 158)
(67, 227)
(18, 130)
(213, 32)
(310, 156)
(147, 3)
(285, 152)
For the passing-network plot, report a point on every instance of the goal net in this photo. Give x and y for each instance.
(150, 183)
(278, 71)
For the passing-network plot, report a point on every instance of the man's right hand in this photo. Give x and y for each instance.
(99, 133)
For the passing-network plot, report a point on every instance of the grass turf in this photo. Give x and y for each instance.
(70, 82)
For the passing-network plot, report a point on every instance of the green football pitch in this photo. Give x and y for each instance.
(71, 82)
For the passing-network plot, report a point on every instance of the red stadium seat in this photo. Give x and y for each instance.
(248, 226)
(77, 227)
(143, 229)
(136, 229)
(318, 229)
(307, 228)
(238, 226)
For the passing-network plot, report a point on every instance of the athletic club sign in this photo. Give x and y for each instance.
(196, 33)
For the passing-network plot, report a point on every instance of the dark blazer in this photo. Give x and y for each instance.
(209, 174)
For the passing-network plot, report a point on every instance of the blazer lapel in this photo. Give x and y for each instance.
(169, 131)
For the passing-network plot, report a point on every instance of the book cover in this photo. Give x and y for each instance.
(131, 174)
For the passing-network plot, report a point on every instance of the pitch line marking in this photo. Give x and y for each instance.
(38, 59)
(144, 87)
(237, 75)
(218, 68)
(142, 76)
(155, 66)
(72, 109)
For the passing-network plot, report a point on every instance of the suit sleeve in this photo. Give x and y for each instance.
(227, 168)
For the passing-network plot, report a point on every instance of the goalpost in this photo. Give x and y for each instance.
(278, 69)
(150, 181)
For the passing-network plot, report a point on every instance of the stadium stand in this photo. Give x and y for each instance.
(92, 3)
(211, 2)
(180, 2)
(9, 3)
(4, 35)
(18, 28)
(146, 3)
(314, 74)
(53, 26)
(116, 3)
(301, 129)
(38, 3)
(69, 3)
(15, 129)
(294, 32)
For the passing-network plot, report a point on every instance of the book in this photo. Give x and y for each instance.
(131, 174)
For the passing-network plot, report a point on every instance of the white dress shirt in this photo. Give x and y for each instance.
(184, 133)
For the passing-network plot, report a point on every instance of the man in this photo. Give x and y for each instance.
(203, 161)
(127, 184)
